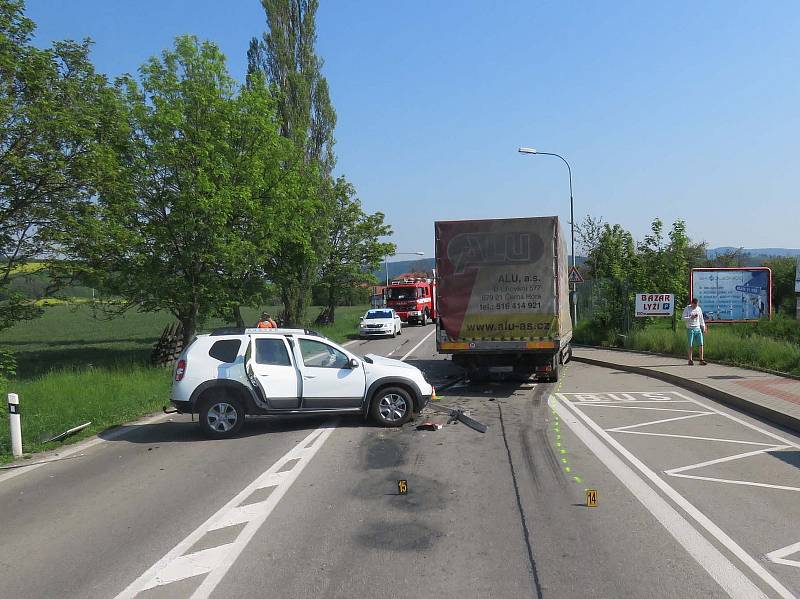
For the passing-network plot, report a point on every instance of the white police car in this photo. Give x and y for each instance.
(380, 321)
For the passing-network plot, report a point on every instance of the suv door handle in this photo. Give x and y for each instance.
(309, 376)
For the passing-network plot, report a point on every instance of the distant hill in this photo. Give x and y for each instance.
(768, 252)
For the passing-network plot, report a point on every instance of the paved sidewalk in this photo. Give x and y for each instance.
(768, 396)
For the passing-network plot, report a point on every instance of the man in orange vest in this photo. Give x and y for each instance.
(266, 322)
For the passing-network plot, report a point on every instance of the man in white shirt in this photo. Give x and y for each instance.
(695, 327)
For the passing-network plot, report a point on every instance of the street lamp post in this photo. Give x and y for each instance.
(524, 150)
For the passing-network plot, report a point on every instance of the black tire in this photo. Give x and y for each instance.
(392, 407)
(556, 371)
(221, 416)
(423, 321)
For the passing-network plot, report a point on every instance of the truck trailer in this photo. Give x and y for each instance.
(503, 297)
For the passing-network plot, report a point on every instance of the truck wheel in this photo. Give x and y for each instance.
(554, 373)
(392, 407)
(423, 321)
(221, 416)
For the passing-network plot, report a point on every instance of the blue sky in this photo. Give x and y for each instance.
(673, 110)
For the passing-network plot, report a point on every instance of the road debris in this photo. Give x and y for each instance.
(430, 426)
(67, 433)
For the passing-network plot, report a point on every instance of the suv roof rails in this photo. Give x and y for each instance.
(227, 331)
(280, 331)
(256, 331)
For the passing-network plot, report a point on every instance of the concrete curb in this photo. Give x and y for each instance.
(750, 407)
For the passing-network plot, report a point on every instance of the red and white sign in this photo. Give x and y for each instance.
(655, 304)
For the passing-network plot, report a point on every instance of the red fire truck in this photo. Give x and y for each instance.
(413, 298)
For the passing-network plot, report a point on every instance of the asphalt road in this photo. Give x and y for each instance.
(694, 500)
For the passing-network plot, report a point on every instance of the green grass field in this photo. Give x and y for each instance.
(75, 366)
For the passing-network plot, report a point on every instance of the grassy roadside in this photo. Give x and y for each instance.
(773, 345)
(55, 402)
(74, 368)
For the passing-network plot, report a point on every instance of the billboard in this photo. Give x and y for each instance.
(733, 294)
(797, 279)
(654, 304)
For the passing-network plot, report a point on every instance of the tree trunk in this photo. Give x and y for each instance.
(331, 303)
(288, 306)
(237, 316)
(188, 321)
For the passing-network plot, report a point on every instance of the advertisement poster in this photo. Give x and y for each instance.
(654, 304)
(733, 294)
(497, 279)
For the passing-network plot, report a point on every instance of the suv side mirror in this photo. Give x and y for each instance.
(353, 363)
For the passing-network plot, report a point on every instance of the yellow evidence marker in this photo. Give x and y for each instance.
(591, 497)
(402, 486)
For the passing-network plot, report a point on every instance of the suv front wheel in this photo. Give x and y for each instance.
(392, 407)
(221, 417)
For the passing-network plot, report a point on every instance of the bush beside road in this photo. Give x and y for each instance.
(772, 345)
(74, 368)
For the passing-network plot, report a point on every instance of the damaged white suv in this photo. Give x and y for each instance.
(226, 375)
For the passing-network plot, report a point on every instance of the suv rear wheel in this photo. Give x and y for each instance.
(392, 407)
(221, 416)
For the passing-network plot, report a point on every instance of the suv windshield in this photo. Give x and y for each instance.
(378, 314)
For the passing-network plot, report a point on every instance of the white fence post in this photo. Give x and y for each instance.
(14, 425)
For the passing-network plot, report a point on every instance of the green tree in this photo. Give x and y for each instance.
(56, 115)
(354, 249)
(613, 266)
(784, 270)
(286, 56)
(203, 178)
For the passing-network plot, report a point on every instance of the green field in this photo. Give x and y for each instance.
(75, 366)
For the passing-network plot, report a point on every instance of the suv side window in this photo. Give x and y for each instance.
(225, 350)
(321, 355)
(272, 352)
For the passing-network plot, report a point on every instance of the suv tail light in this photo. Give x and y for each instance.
(180, 370)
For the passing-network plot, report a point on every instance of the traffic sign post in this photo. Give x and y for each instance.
(575, 276)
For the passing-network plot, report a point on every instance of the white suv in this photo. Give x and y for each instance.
(226, 375)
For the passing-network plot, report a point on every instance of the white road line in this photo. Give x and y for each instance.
(720, 568)
(567, 393)
(729, 458)
(740, 421)
(621, 429)
(746, 483)
(723, 571)
(619, 407)
(697, 438)
(779, 555)
(89, 443)
(617, 402)
(413, 349)
(215, 562)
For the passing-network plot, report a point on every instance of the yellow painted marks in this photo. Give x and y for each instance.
(562, 452)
